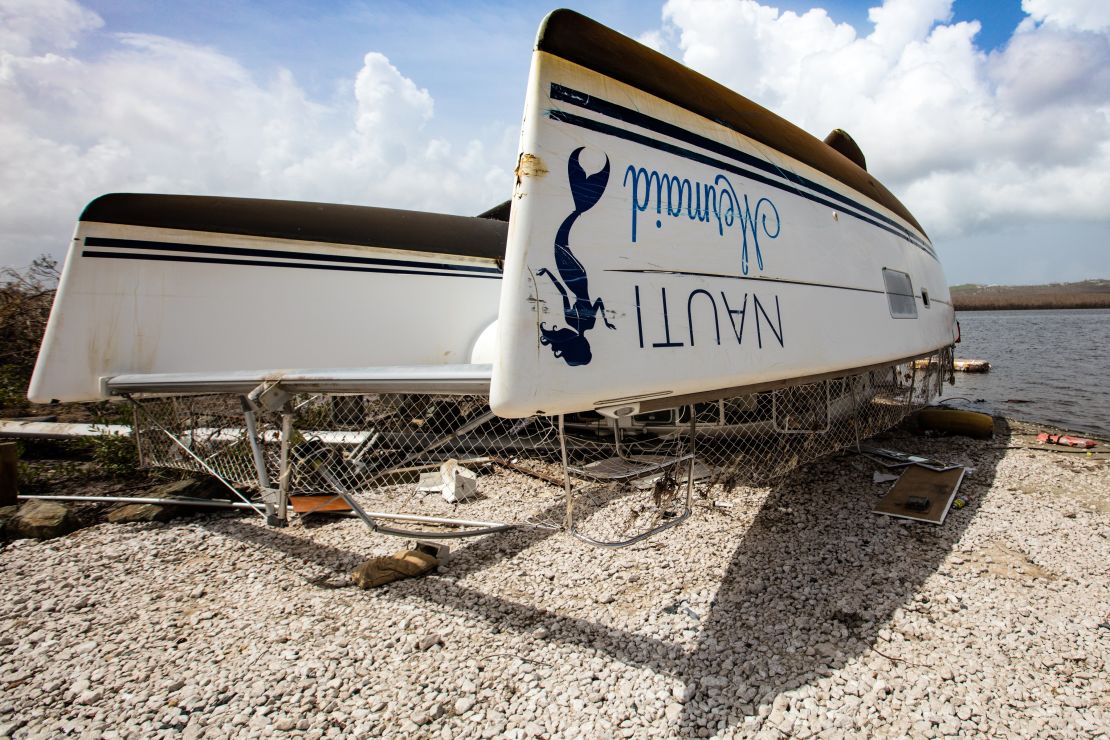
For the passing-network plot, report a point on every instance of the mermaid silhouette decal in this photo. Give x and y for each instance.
(570, 343)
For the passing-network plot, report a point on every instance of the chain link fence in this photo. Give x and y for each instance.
(607, 480)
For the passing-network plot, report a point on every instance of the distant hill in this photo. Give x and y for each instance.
(1087, 294)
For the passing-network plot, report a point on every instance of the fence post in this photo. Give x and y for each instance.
(9, 455)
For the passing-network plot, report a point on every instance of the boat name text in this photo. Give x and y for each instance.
(704, 203)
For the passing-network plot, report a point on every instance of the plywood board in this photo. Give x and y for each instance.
(935, 489)
(314, 504)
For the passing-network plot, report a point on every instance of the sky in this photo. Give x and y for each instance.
(989, 119)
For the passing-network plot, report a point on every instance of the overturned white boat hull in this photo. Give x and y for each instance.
(225, 289)
(669, 242)
(670, 239)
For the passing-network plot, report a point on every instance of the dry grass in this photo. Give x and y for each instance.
(1086, 294)
(25, 300)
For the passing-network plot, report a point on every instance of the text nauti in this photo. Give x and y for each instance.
(695, 318)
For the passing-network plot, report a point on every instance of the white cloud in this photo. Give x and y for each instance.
(653, 40)
(972, 141)
(152, 114)
(752, 47)
(969, 139)
(1082, 15)
(902, 22)
(28, 25)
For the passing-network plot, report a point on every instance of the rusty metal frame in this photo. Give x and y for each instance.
(569, 519)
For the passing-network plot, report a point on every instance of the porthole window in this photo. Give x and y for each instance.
(899, 294)
(925, 297)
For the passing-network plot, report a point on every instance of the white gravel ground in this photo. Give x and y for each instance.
(795, 612)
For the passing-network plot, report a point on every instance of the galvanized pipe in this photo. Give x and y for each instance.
(256, 447)
(134, 500)
(285, 476)
(236, 505)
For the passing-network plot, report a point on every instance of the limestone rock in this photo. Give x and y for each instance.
(42, 520)
(185, 488)
(6, 514)
(143, 513)
(203, 487)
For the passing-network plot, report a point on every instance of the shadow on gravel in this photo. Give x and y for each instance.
(811, 583)
(814, 580)
(297, 548)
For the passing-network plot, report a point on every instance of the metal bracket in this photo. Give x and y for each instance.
(270, 396)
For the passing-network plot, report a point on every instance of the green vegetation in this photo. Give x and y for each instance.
(115, 456)
(1086, 294)
(13, 387)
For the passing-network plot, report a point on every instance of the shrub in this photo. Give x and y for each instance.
(13, 387)
(115, 455)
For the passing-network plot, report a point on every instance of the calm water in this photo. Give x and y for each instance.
(1056, 362)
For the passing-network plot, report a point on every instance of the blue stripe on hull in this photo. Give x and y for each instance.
(302, 260)
(627, 115)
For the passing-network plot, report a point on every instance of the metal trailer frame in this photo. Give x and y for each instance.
(276, 397)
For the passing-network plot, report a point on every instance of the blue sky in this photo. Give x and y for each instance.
(472, 56)
(996, 135)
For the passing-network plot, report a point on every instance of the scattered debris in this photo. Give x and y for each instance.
(880, 477)
(318, 503)
(680, 476)
(454, 482)
(922, 494)
(682, 607)
(1067, 440)
(514, 465)
(646, 469)
(386, 569)
(438, 550)
(895, 459)
(797, 549)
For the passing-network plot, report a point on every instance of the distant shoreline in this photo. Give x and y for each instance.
(1086, 294)
(1026, 306)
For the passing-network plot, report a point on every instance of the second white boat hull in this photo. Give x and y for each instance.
(138, 300)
